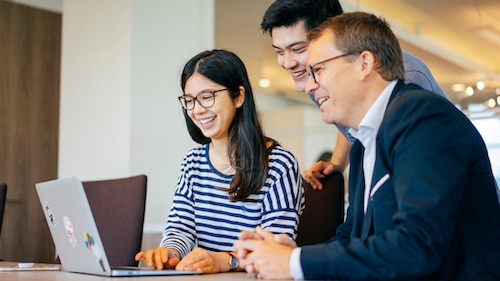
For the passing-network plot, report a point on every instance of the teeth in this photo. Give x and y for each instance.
(206, 120)
(299, 73)
(322, 100)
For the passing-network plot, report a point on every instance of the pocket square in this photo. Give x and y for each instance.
(380, 182)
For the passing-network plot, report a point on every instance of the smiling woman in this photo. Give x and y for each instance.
(235, 180)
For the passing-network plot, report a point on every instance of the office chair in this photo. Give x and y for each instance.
(3, 199)
(118, 206)
(324, 210)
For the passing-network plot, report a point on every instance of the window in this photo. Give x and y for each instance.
(489, 129)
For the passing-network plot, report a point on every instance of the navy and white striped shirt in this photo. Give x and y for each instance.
(203, 216)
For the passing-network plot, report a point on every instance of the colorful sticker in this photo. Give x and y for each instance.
(50, 216)
(94, 249)
(69, 231)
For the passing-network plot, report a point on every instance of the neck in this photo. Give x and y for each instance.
(219, 157)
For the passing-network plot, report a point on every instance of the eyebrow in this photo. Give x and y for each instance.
(290, 45)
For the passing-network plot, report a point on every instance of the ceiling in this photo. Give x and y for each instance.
(458, 39)
(445, 34)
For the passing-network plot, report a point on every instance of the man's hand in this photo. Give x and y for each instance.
(265, 254)
(317, 172)
(159, 258)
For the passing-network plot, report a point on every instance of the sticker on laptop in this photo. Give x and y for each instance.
(69, 231)
(48, 212)
(94, 249)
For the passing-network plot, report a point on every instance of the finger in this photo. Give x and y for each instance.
(164, 254)
(139, 256)
(330, 169)
(196, 260)
(285, 240)
(250, 269)
(266, 235)
(248, 235)
(158, 259)
(247, 245)
(149, 257)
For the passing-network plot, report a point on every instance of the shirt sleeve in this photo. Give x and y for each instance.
(284, 200)
(295, 266)
(179, 233)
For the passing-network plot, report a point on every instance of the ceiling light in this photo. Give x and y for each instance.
(469, 91)
(491, 103)
(264, 83)
(480, 85)
(458, 87)
(498, 100)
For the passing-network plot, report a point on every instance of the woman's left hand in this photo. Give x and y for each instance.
(205, 262)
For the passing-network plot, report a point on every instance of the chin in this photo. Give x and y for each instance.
(300, 86)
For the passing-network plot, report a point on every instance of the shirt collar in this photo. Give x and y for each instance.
(369, 125)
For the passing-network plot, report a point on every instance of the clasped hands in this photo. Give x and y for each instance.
(264, 254)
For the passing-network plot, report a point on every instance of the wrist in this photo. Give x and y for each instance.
(233, 261)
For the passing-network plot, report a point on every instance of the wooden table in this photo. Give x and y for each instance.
(69, 276)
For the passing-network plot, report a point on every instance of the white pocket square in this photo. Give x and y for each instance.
(380, 182)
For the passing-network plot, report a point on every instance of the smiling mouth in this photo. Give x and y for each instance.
(322, 100)
(206, 120)
(298, 74)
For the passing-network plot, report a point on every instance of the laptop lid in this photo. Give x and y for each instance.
(75, 234)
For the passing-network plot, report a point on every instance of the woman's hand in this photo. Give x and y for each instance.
(205, 262)
(159, 258)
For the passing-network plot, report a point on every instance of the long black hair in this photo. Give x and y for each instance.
(247, 149)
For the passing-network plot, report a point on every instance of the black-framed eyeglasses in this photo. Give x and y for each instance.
(206, 99)
(313, 66)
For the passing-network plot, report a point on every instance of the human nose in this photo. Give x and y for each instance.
(289, 61)
(311, 86)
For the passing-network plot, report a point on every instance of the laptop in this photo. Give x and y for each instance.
(75, 234)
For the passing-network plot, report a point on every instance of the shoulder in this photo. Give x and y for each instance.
(413, 63)
(410, 103)
(411, 95)
(283, 158)
(418, 73)
(196, 153)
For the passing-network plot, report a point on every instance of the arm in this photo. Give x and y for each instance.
(178, 238)
(338, 162)
(284, 198)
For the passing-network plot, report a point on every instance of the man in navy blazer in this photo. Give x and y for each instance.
(422, 197)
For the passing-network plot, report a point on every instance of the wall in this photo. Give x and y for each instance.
(120, 116)
(30, 41)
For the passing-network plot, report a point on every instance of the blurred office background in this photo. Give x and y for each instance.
(89, 89)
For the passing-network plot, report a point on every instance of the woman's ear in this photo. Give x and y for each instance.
(240, 99)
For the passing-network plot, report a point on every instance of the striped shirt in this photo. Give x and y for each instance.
(203, 216)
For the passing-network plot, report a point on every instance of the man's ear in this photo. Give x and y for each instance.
(240, 99)
(367, 64)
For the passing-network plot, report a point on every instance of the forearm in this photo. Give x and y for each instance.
(340, 155)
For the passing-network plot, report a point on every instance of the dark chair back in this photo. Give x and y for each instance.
(3, 199)
(118, 206)
(324, 210)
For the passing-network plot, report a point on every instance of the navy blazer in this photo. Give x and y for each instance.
(433, 211)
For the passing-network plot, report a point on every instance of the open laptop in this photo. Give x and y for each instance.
(75, 233)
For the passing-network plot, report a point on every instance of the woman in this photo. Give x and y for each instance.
(235, 180)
